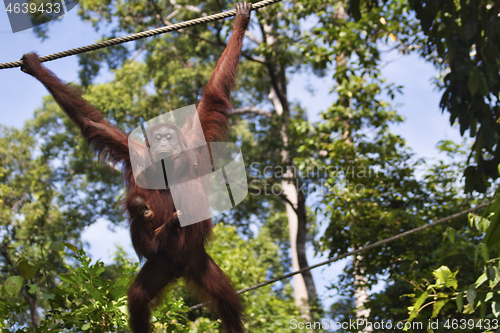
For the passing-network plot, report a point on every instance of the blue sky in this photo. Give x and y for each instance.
(20, 94)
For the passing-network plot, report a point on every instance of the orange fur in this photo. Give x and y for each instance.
(174, 251)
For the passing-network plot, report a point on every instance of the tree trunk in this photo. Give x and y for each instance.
(300, 289)
(301, 246)
(304, 289)
(360, 292)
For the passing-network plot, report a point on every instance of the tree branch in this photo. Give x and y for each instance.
(218, 43)
(258, 190)
(250, 110)
(253, 38)
(260, 60)
(166, 21)
(188, 7)
(285, 198)
(17, 205)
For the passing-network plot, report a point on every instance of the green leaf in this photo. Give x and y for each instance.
(460, 300)
(483, 84)
(480, 280)
(66, 278)
(13, 284)
(495, 308)
(489, 295)
(495, 281)
(471, 295)
(485, 253)
(437, 307)
(476, 81)
(100, 270)
(493, 232)
(484, 225)
(33, 288)
(491, 273)
(32, 272)
(71, 247)
(418, 305)
(473, 81)
(445, 278)
(86, 326)
(471, 218)
(479, 222)
(24, 267)
(450, 233)
(47, 296)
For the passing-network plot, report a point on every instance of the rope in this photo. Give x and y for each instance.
(139, 35)
(348, 254)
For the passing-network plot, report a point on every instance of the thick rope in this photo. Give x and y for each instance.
(348, 254)
(139, 35)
